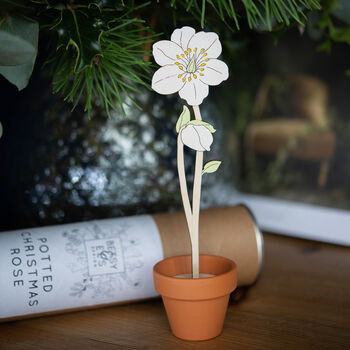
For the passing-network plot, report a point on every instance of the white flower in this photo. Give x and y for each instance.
(197, 137)
(189, 64)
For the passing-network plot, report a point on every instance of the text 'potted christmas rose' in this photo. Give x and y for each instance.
(195, 288)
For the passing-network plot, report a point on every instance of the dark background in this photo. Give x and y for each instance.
(57, 166)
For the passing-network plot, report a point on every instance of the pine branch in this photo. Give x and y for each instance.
(258, 13)
(102, 48)
(109, 71)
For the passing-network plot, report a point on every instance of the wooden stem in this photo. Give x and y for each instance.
(196, 198)
(183, 184)
(192, 216)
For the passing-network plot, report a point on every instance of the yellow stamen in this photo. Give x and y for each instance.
(189, 78)
(205, 54)
(202, 50)
(183, 79)
(203, 64)
(177, 63)
(179, 76)
(195, 76)
(202, 69)
(186, 52)
(182, 55)
(206, 60)
(195, 49)
(189, 50)
(201, 74)
(181, 67)
(177, 56)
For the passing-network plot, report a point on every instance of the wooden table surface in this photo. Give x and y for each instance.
(301, 301)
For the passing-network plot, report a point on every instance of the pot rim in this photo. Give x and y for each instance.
(196, 288)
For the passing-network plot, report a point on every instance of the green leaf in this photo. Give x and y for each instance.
(18, 75)
(200, 122)
(211, 166)
(19, 45)
(184, 118)
(16, 47)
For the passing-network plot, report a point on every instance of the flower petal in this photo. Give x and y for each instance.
(181, 36)
(194, 92)
(165, 52)
(197, 137)
(208, 41)
(165, 80)
(214, 72)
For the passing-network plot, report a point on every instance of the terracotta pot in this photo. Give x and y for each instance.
(196, 308)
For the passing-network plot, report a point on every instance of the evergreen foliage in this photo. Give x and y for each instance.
(101, 49)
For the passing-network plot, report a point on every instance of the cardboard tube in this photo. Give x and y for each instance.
(230, 232)
(72, 267)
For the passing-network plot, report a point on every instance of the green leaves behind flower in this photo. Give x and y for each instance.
(257, 14)
(211, 166)
(184, 118)
(103, 63)
(332, 24)
(19, 47)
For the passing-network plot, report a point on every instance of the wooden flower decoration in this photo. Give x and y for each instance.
(189, 65)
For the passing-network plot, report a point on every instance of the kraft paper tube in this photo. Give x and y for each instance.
(57, 269)
(229, 232)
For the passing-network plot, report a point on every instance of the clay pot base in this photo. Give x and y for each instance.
(189, 275)
(196, 307)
